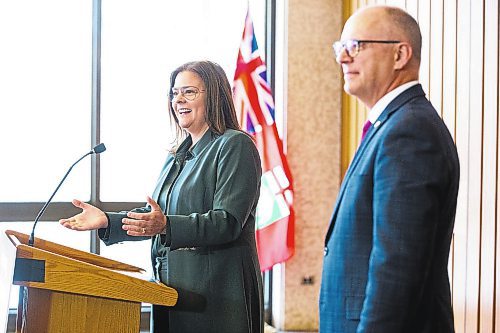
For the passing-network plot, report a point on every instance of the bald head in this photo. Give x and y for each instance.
(408, 27)
(394, 23)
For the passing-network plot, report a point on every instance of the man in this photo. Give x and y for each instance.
(387, 246)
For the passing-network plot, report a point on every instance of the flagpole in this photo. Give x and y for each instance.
(270, 61)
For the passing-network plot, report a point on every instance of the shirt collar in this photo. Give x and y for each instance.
(382, 103)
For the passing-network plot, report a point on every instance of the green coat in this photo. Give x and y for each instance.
(209, 194)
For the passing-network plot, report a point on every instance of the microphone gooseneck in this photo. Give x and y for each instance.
(96, 150)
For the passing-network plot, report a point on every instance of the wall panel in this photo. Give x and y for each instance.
(475, 164)
(424, 20)
(490, 168)
(435, 38)
(460, 274)
(313, 143)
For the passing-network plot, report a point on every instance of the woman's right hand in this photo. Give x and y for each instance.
(91, 218)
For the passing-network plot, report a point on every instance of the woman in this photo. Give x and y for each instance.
(202, 213)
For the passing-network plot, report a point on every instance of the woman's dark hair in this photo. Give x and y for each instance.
(220, 112)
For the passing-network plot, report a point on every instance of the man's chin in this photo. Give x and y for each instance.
(349, 89)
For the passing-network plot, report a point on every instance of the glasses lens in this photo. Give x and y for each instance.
(352, 47)
(337, 48)
(190, 93)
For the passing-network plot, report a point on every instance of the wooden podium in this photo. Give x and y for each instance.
(68, 290)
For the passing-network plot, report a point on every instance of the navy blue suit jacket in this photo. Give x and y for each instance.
(387, 246)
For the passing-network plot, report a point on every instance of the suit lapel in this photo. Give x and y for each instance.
(396, 104)
(159, 184)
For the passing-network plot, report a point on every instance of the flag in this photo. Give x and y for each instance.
(255, 109)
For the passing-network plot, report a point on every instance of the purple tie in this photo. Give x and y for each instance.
(366, 127)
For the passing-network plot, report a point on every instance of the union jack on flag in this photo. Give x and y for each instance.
(255, 109)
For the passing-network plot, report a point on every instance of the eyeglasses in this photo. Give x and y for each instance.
(190, 93)
(351, 46)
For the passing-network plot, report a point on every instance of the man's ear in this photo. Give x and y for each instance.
(402, 55)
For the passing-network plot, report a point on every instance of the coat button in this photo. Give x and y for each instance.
(325, 251)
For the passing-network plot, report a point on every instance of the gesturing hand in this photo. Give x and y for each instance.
(145, 224)
(90, 218)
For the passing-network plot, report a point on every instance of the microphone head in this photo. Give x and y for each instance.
(99, 148)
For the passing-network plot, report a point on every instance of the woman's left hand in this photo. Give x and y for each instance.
(145, 224)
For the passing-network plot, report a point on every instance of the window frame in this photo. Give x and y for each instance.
(27, 211)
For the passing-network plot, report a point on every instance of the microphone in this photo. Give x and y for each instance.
(96, 150)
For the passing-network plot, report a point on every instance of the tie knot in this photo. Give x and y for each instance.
(366, 127)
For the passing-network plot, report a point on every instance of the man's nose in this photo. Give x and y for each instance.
(343, 56)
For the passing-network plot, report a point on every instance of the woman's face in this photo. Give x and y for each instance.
(188, 102)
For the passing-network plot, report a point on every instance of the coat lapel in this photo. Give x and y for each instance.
(396, 104)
